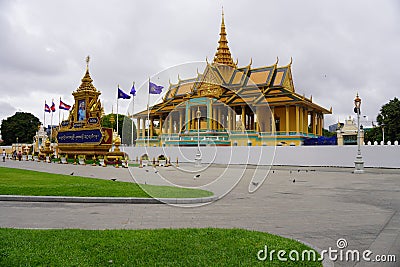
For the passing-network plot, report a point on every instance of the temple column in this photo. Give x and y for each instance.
(243, 118)
(170, 124)
(306, 113)
(314, 130)
(301, 120)
(151, 127)
(273, 128)
(219, 118)
(180, 121)
(229, 120)
(233, 119)
(287, 119)
(138, 127)
(161, 125)
(143, 128)
(297, 120)
(322, 123)
(190, 123)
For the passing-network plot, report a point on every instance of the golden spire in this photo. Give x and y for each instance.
(87, 80)
(223, 55)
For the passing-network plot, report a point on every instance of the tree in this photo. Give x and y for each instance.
(388, 121)
(21, 125)
(389, 118)
(124, 127)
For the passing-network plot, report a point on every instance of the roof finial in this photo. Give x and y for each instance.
(87, 62)
(223, 55)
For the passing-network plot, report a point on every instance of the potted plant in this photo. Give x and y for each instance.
(162, 161)
(101, 160)
(81, 159)
(145, 160)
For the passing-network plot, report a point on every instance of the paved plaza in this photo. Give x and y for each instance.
(315, 205)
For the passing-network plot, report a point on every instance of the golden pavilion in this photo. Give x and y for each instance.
(227, 105)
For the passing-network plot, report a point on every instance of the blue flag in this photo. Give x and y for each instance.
(155, 89)
(133, 91)
(122, 95)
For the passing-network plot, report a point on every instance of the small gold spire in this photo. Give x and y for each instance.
(223, 55)
(87, 62)
(86, 84)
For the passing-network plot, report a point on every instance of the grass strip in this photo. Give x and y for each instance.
(34, 183)
(162, 247)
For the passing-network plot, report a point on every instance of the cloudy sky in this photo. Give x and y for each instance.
(339, 47)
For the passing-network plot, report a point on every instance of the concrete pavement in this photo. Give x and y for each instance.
(320, 207)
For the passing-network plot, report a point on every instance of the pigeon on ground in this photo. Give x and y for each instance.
(147, 170)
(72, 173)
(254, 183)
(294, 180)
(196, 176)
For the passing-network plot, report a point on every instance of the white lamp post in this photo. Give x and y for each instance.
(359, 163)
(197, 159)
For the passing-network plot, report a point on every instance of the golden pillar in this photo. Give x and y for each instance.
(243, 117)
(138, 127)
(306, 113)
(220, 118)
(287, 119)
(273, 128)
(161, 125)
(314, 128)
(151, 127)
(301, 120)
(297, 120)
(233, 119)
(189, 124)
(180, 121)
(170, 123)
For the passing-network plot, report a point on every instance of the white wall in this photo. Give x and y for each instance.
(374, 156)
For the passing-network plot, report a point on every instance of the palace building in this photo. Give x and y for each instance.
(227, 105)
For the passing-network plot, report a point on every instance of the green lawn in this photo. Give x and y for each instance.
(33, 183)
(163, 247)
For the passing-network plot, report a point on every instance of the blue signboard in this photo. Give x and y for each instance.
(80, 137)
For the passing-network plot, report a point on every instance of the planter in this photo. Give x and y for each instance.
(145, 163)
(63, 160)
(82, 161)
(162, 162)
(29, 157)
(101, 162)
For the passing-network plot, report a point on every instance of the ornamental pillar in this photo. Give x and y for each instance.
(243, 118)
(297, 120)
(287, 119)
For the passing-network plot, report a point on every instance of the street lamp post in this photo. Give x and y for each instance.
(359, 163)
(197, 159)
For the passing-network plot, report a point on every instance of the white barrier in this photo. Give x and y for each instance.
(344, 156)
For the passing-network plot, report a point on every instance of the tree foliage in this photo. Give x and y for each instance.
(124, 127)
(388, 118)
(21, 125)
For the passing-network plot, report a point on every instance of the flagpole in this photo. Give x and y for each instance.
(133, 112)
(148, 115)
(51, 121)
(44, 115)
(59, 113)
(117, 110)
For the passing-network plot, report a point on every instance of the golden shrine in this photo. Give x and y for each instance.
(82, 133)
(230, 105)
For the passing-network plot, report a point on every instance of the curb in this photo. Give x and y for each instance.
(110, 200)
